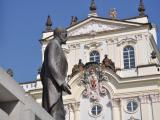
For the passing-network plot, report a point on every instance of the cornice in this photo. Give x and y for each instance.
(111, 32)
(102, 18)
(134, 17)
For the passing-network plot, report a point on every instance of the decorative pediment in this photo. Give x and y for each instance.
(94, 25)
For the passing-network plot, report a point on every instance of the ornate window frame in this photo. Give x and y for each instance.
(94, 57)
(129, 57)
(97, 114)
(133, 101)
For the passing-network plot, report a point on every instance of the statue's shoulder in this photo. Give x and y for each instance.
(53, 43)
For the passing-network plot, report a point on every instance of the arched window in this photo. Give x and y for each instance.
(94, 56)
(128, 57)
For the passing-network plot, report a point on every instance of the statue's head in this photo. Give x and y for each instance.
(106, 56)
(61, 34)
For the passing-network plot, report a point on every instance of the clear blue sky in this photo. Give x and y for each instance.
(22, 23)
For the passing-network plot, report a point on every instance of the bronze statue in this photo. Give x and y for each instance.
(53, 75)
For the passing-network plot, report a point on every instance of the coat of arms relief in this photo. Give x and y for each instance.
(92, 80)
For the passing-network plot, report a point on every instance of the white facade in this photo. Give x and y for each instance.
(132, 91)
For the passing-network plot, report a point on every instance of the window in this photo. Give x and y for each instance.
(132, 106)
(96, 110)
(94, 56)
(129, 58)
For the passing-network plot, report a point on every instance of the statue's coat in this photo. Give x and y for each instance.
(53, 74)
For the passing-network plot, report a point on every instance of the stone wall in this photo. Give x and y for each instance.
(15, 104)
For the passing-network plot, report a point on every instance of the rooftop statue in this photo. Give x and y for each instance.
(107, 63)
(77, 68)
(53, 75)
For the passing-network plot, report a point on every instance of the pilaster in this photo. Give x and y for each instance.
(75, 107)
(146, 109)
(116, 109)
(71, 112)
(74, 111)
(155, 105)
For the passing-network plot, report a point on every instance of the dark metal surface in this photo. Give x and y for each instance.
(49, 24)
(141, 8)
(93, 6)
(53, 75)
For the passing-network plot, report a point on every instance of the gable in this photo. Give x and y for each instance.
(94, 25)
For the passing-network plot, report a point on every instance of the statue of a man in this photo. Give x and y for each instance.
(53, 75)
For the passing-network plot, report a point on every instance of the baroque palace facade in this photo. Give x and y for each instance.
(114, 69)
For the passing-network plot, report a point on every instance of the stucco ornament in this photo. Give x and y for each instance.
(92, 81)
(94, 26)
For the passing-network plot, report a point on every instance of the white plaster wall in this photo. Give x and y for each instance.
(111, 50)
(127, 73)
(141, 53)
(85, 107)
(148, 71)
(153, 32)
(72, 60)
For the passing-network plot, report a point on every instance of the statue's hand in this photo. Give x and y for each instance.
(66, 88)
